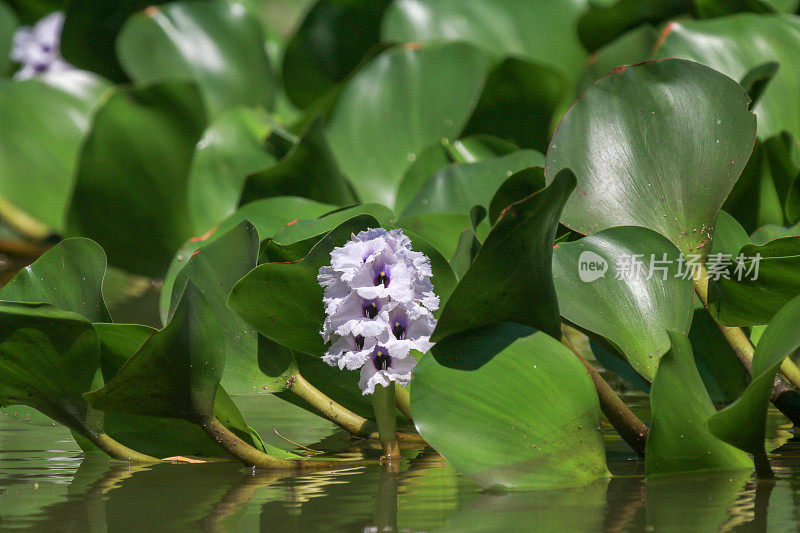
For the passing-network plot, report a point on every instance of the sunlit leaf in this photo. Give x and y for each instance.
(625, 140)
(489, 402)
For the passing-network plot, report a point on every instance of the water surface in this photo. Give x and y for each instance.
(47, 485)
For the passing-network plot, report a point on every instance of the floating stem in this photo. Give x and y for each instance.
(252, 457)
(116, 450)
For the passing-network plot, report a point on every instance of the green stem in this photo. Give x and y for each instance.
(383, 402)
(403, 401)
(116, 450)
(252, 457)
(630, 428)
(340, 415)
(786, 399)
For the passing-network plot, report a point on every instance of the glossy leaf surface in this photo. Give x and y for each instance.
(625, 140)
(398, 104)
(487, 401)
(217, 45)
(623, 284)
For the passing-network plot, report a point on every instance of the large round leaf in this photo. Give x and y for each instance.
(727, 45)
(511, 408)
(511, 280)
(658, 145)
(231, 148)
(132, 174)
(544, 31)
(401, 102)
(44, 122)
(218, 45)
(679, 439)
(623, 284)
(68, 276)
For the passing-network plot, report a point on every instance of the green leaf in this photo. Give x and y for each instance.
(411, 90)
(750, 291)
(442, 153)
(69, 276)
(218, 45)
(442, 230)
(308, 170)
(457, 188)
(44, 123)
(175, 374)
(725, 44)
(90, 33)
(48, 359)
(603, 287)
(177, 371)
(331, 42)
(757, 79)
(214, 269)
(542, 31)
(309, 229)
(517, 187)
(230, 149)
(520, 102)
(679, 439)
(132, 174)
(490, 401)
(30, 11)
(511, 277)
(175, 437)
(723, 375)
(632, 47)
(721, 8)
(625, 139)
(603, 22)
(8, 25)
(283, 301)
(743, 423)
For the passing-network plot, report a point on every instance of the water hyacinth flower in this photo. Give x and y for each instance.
(38, 48)
(378, 303)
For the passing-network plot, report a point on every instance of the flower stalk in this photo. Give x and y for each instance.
(383, 402)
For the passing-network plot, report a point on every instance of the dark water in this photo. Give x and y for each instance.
(47, 485)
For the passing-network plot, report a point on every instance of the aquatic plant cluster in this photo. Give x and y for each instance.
(431, 222)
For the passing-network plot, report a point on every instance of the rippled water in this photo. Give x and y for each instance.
(47, 485)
